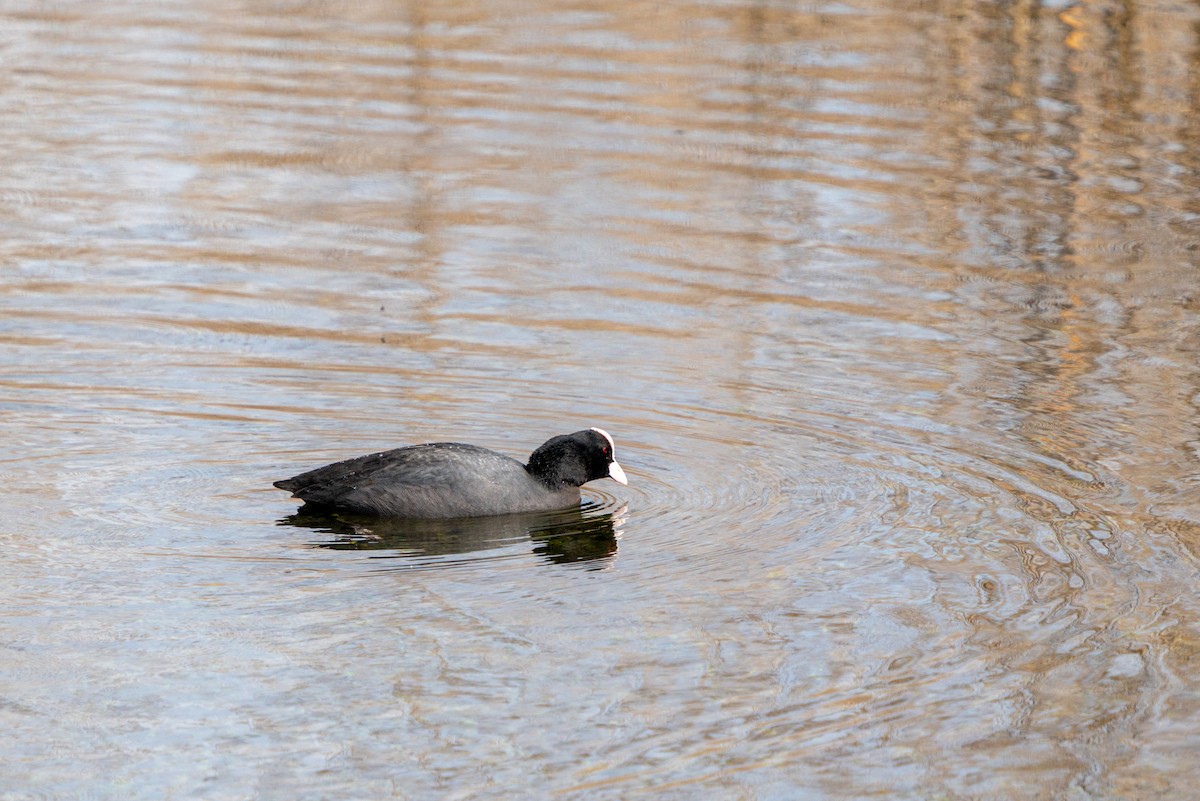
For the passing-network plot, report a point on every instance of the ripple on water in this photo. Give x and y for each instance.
(772, 480)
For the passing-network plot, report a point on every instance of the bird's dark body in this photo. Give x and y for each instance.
(441, 479)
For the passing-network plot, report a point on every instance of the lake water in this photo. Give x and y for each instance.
(893, 310)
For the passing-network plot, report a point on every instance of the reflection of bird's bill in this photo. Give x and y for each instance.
(618, 519)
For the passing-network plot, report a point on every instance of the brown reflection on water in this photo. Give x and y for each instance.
(894, 310)
(1069, 206)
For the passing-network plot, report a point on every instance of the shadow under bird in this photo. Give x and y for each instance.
(450, 479)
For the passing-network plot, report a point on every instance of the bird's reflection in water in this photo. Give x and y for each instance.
(588, 533)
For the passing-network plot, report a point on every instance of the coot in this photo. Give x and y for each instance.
(449, 479)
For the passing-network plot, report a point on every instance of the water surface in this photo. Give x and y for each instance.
(891, 309)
